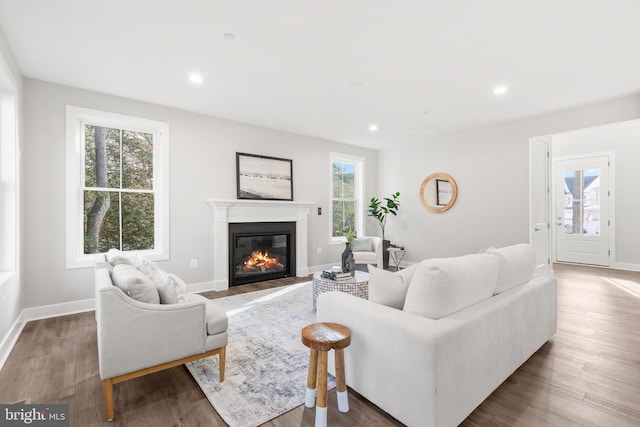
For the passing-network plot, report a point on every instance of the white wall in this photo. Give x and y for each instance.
(624, 140)
(491, 168)
(11, 289)
(202, 157)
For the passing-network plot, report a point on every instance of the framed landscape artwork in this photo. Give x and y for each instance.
(263, 177)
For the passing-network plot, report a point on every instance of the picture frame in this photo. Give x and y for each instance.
(444, 191)
(263, 177)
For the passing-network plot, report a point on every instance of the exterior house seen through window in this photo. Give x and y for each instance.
(117, 185)
(346, 197)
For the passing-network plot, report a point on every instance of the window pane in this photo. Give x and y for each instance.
(137, 221)
(101, 221)
(582, 201)
(344, 181)
(102, 157)
(573, 201)
(137, 160)
(343, 217)
(591, 201)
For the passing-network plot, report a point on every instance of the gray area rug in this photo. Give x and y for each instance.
(266, 371)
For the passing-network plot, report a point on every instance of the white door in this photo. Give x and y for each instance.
(539, 221)
(582, 210)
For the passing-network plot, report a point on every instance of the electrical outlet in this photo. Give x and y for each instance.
(194, 263)
(319, 249)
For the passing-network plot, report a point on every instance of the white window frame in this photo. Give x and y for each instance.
(9, 176)
(359, 163)
(77, 118)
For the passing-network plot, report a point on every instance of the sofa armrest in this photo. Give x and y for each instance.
(133, 335)
(390, 348)
(379, 250)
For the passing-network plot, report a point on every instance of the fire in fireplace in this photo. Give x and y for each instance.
(261, 251)
(262, 262)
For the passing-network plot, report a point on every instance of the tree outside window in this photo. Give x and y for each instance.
(118, 190)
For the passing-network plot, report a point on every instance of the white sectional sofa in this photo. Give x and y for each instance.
(437, 339)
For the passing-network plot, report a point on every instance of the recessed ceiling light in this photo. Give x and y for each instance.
(500, 90)
(373, 127)
(229, 36)
(195, 78)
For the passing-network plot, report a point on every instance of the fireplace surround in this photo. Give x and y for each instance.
(225, 211)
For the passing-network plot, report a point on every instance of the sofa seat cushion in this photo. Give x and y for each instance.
(517, 264)
(365, 257)
(217, 320)
(135, 283)
(443, 286)
(389, 288)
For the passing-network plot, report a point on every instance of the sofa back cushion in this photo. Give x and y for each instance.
(387, 288)
(135, 283)
(173, 290)
(517, 264)
(363, 244)
(443, 286)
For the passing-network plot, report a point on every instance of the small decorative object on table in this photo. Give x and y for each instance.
(348, 262)
(347, 257)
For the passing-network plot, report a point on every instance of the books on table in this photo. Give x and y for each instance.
(337, 276)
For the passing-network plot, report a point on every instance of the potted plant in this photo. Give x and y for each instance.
(379, 210)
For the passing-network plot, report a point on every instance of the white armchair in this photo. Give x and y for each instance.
(138, 338)
(368, 250)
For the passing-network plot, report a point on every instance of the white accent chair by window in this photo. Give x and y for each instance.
(146, 322)
(368, 250)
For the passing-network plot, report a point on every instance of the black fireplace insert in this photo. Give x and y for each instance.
(261, 251)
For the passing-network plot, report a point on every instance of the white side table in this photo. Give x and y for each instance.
(396, 255)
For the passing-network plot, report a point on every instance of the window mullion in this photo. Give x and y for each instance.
(120, 192)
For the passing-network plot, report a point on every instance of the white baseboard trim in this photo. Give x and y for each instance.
(9, 341)
(220, 284)
(201, 287)
(55, 310)
(626, 266)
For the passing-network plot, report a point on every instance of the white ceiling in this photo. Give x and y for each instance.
(330, 68)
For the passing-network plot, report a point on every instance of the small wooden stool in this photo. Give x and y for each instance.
(320, 338)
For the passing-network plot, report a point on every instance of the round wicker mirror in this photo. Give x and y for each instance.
(438, 192)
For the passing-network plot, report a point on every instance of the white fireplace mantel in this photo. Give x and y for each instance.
(234, 211)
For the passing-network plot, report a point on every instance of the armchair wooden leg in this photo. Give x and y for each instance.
(222, 358)
(107, 390)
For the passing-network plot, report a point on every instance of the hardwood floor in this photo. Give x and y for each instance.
(588, 374)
